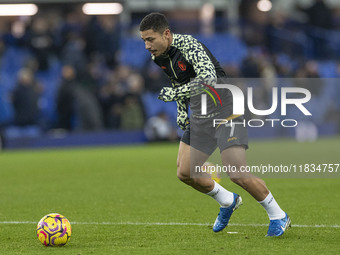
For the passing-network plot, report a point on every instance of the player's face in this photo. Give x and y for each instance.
(155, 42)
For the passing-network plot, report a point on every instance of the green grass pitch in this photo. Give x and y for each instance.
(127, 200)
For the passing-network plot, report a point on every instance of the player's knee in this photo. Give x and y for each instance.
(243, 181)
(182, 176)
(238, 179)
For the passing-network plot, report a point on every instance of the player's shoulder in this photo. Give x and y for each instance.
(183, 40)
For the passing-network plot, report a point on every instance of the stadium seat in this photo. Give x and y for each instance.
(133, 52)
(327, 69)
(227, 48)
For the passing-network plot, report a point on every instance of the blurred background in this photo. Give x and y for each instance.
(78, 74)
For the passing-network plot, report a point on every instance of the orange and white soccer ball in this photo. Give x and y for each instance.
(54, 230)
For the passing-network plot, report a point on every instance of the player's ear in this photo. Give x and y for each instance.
(167, 33)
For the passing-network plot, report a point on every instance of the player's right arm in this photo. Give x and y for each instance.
(194, 52)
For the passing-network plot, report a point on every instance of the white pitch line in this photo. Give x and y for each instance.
(173, 224)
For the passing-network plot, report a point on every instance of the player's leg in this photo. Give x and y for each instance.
(196, 145)
(236, 156)
(187, 159)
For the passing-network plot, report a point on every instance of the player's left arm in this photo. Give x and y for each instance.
(205, 71)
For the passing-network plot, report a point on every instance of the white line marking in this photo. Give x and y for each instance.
(173, 224)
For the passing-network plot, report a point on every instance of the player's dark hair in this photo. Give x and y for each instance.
(155, 21)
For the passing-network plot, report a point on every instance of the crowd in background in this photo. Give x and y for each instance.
(95, 91)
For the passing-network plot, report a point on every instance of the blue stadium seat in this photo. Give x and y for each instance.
(327, 69)
(133, 52)
(153, 106)
(226, 48)
(6, 109)
(50, 80)
(14, 59)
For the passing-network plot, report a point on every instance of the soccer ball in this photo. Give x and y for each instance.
(54, 230)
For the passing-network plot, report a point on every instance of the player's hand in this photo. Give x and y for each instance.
(168, 94)
(185, 91)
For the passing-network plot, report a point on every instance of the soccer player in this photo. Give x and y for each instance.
(188, 62)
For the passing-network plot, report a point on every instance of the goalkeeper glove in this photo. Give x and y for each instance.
(169, 94)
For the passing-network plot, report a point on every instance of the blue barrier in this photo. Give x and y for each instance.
(62, 140)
